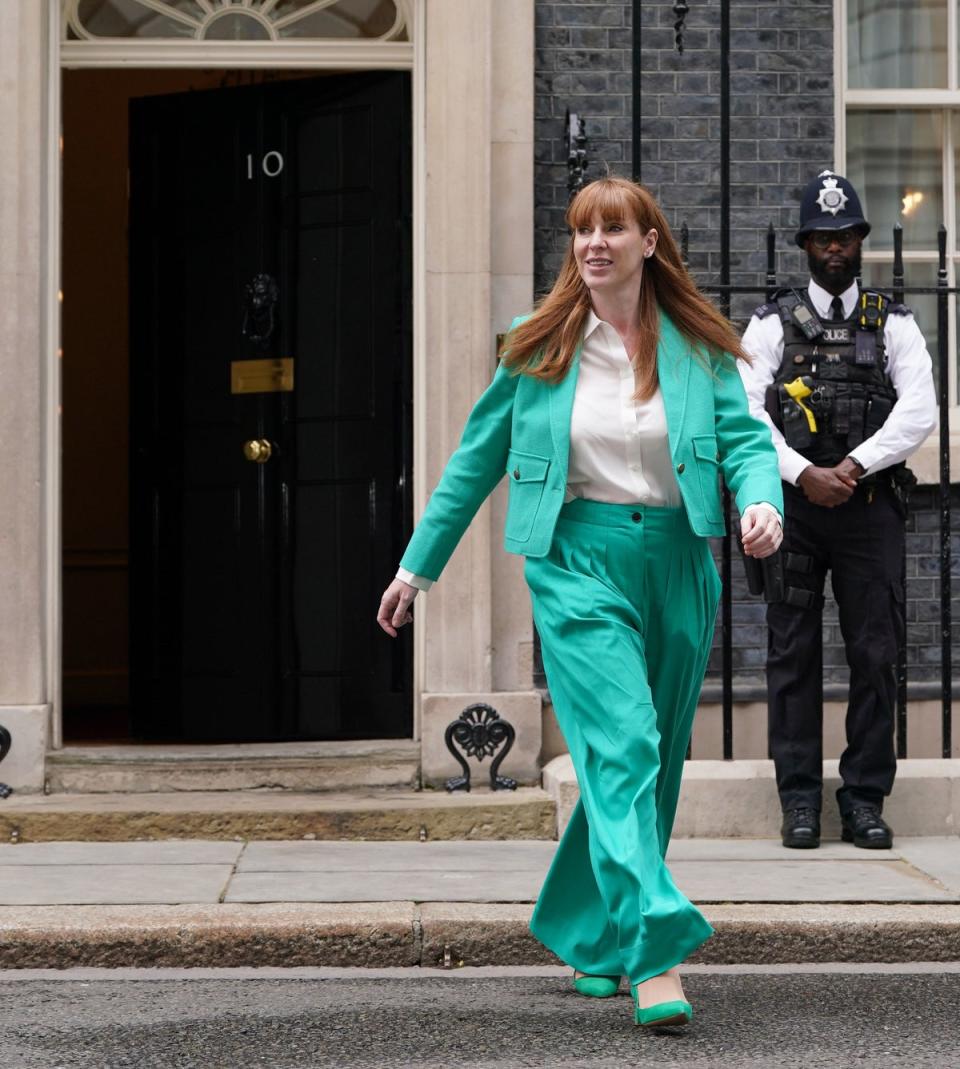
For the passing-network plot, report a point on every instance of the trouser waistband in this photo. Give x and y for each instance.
(607, 514)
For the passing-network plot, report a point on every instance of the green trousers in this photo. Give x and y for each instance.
(625, 605)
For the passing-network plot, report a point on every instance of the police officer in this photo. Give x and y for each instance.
(844, 379)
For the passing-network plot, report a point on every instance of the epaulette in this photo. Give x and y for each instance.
(771, 306)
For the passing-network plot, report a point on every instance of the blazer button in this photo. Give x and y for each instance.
(516, 473)
(680, 469)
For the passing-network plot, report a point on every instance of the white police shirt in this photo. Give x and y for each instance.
(619, 449)
(913, 416)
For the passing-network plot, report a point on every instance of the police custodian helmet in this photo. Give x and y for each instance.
(830, 203)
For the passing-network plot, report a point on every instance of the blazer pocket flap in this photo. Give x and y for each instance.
(705, 448)
(527, 467)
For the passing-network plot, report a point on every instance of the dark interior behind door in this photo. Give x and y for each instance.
(254, 585)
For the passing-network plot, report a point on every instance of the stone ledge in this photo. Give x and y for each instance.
(738, 799)
(527, 813)
(294, 766)
(780, 934)
(242, 753)
(407, 934)
(560, 782)
(484, 934)
(28, 725)
(63, 937)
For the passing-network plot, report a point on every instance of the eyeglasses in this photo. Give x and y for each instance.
(823, 239)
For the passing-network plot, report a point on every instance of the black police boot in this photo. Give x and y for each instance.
(801, 828)
(863, 826)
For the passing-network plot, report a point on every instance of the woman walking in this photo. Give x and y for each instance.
(616, 405)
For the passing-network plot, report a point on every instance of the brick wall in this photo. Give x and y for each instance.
(781, 126)
(583, 63)
(781, 131)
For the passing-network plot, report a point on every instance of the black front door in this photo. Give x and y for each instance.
(270, 408)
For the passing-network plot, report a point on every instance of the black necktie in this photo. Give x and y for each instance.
(836, 311)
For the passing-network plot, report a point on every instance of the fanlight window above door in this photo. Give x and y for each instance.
(236, 20)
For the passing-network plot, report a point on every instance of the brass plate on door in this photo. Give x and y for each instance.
(261, 376)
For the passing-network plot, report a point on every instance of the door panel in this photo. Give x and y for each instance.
(255, 586)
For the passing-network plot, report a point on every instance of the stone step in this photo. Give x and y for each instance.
(293, 766)
(738, 799)
(527, 813)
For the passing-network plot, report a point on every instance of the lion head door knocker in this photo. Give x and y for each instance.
(479, 731)
(260, 297)
(5, 743)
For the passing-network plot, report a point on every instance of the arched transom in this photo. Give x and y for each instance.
(236, 20)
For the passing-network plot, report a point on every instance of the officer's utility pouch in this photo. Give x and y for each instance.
(764, 576)
(800, 563)
(841, 416)
(877, 412)
(902, 481)
(796, 429)
(773, 584)
(802, 599)
(858, 414)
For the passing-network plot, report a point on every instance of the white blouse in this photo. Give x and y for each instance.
(619, 451)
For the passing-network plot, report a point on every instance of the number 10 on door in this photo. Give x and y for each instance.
(271, 164)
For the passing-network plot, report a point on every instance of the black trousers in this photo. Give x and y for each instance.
(861, 544)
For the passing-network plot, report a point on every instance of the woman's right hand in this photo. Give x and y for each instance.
(395, 606)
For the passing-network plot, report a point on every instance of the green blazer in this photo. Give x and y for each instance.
(520, 427)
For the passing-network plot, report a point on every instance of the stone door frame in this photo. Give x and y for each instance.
(472, 69)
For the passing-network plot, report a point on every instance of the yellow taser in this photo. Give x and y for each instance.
(797, 390)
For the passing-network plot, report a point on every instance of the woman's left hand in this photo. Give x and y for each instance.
(760, 531)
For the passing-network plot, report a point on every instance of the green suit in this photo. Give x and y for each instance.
(520, 426)
(624, 600)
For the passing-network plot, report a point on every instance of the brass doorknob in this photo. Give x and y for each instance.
(259, 450)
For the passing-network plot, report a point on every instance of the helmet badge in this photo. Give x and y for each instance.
(832, 199)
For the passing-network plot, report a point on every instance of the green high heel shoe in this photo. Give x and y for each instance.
(596, 986)
(676, 1012)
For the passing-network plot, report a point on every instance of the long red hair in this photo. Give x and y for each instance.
(543, 345)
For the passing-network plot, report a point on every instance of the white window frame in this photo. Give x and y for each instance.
(943, 100)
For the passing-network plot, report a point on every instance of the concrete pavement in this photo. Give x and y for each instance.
(403, 903)
(708, 870)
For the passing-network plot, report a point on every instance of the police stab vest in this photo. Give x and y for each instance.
(832, 390)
